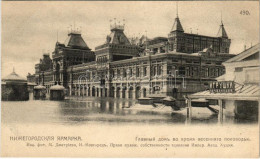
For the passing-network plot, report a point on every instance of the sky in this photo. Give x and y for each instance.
(30, 29)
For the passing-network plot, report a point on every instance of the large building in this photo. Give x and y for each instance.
(176, 65)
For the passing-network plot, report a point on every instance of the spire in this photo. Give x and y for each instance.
(221, 18)
(57, 35)
(145, 40)
(177, 9)
(222, 32)
(177, 24)
(117, 35)
(75, 40)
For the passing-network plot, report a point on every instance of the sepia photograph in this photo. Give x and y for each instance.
(130, 79)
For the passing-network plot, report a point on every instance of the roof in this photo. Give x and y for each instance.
(156, 95)
(39, 87)
(242, 92)
(31, 84)
(177, 25)
(200, 100)
(117, 37)
(168, 98)
(222, 32)
(75, 40)
(254, 49)
(221, 78)
(13, 77)
(57, 87)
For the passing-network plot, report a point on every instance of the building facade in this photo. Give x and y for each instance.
(238, 89)
(176, 65)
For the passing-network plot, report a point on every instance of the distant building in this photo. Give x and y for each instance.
(178, 65)
(31, 82)
(14, 88)
(239, 86)
(191, 43)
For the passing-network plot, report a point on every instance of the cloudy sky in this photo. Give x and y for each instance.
(30, 28)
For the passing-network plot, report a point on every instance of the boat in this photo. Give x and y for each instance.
(170, 101)
(145, 101)
(200, 102)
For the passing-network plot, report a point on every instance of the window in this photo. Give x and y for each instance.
(169, 70)
(207, 72)
(118, 73)
(195, 71)
(212, 72)
(182, 71)
(137, 72)
(130, 72)
(238, 69)
(124, 72)
(112, 73)
(187, 71)
(154, 70)
(159, 70)
(145, 71)
(217, 72)
(93, 74)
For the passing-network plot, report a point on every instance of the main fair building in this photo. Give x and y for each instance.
(177, 65)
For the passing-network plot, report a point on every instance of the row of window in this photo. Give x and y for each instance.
(129, 72)
(195, 71)
(102, 59)
(157, 70)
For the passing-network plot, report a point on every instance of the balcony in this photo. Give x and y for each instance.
(222, 87)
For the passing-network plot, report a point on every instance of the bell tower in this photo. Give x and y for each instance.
(224, 40)
(176, 34)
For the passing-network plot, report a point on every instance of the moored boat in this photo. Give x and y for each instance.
(200, 103)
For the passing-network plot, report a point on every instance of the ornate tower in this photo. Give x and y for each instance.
(176, 35)
(73, 52)
(117, 46)
(224, 40)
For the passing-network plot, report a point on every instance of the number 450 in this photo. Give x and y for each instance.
(244, 12)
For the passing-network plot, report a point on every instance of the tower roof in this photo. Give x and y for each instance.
(222, 32)
(75, 40)
(13, 77)
(177, 25)
(117, 36)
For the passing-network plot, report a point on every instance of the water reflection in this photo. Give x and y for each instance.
(101, 110)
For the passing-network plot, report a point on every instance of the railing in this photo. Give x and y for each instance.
(222, 87)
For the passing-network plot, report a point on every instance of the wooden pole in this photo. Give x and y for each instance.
(189, 111)
(220, 103)
(190, 108)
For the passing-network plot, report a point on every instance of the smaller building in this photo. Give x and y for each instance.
(238, 88)
(31, 82)
(57, 92)
(14, 88)
(39, 92)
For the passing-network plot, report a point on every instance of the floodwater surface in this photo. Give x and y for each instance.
(83, 110)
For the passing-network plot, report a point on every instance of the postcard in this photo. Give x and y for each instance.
(128, 79)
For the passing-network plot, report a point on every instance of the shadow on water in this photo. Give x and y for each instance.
(78, 110)
(111, 110)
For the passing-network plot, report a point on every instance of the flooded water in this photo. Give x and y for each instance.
(79, 110)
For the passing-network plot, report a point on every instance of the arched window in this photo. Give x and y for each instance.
(206, 72)
(144, 71)
(159, 70)
(187, 71)
(154, 70)
(217, 72)
(124, 72)
(137, 71)
(130, 72)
